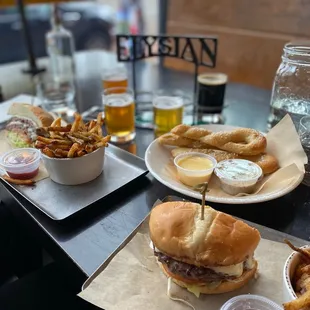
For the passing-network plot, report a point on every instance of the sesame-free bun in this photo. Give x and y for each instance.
(219, 240)
(224, 287)
(36, 114)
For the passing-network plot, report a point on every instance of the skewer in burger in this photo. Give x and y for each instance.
(209, 256)
(26, 118)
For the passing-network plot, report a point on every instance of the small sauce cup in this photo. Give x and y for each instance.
(250, 302)
(193, 177)
(22, 163)
(238, 175)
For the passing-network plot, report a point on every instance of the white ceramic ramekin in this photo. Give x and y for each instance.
(74, 171)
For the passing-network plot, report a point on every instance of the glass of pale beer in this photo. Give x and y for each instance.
(115, 76)
(119, 109)
(168, 112)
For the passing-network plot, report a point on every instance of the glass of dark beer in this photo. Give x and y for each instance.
(210, 97)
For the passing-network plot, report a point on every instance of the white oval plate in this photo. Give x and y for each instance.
(158, 156)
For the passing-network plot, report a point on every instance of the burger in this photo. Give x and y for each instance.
(210, 256)
(21, 128)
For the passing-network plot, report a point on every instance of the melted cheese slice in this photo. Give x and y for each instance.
(233, 270)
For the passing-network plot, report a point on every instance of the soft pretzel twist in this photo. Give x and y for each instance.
(244, 141)
(175, 140)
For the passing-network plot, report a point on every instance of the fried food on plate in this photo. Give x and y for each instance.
(300, 303)
(300, 280)
(245, 141)
(17, 181)
(267, 162)
(175, 140)
(73, 140)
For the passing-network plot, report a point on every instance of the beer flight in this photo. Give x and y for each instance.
(168, 108)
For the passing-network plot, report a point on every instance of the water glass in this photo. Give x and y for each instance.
(55, 96)
(304, 134)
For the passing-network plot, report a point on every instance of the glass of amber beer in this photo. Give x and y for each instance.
(168, 112)
(115, 77)
(119, 109)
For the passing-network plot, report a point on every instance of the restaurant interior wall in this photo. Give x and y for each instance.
(251, 33)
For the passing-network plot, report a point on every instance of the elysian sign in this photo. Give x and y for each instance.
(136, 47)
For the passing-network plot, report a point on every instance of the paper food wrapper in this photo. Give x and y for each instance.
(282, 142)
(133, 280)
(5, 147)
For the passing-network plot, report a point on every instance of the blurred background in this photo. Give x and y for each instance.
(93, 24)
(251, 33)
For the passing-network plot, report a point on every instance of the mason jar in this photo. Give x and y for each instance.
(291, 87)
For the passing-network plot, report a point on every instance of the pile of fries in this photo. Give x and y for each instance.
(73, 140)
(301, 281)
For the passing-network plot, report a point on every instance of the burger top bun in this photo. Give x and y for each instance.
(219, 240)
(36, 114)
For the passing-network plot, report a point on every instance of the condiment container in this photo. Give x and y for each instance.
(288, 273)
(250, 302)
(22, 163)
(238, 175)
(193, 177)
(77, 170)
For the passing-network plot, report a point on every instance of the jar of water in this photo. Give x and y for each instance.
(291, 88)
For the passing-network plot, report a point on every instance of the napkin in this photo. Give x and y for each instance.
(4, 106)
(133, 280)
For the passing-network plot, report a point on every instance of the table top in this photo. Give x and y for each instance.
(86, 240)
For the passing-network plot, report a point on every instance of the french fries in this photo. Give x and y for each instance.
(300, 281)
(17, 181)
(300, 303)
(73, 140)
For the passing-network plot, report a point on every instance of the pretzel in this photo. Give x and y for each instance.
(175, 140)
(243, 141)
(267, 162)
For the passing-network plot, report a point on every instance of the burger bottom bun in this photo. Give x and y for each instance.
(224, 287)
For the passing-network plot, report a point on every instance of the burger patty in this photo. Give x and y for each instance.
(191, 272)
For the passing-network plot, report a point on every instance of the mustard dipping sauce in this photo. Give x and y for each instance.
(194, 169)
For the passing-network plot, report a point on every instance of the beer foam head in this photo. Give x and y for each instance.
(115, 73)
(212, 78)
(168, 102)
(118, 100)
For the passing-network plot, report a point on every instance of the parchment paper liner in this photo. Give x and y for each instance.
(133, 280)
(282, 142)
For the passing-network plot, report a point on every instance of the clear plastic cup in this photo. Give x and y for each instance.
(238, 175)
(21, 163)
(250, 302)
(194, 177)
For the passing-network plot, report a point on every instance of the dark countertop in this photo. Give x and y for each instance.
(88, 238)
